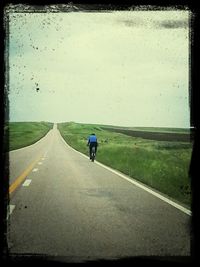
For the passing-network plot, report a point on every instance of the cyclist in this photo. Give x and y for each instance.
(92, 142)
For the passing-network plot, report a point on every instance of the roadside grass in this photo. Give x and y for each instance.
(21, 134)
(161, 165)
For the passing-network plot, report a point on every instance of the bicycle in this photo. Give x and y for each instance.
(93, 154)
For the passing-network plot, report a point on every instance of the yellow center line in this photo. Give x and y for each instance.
(22, 176)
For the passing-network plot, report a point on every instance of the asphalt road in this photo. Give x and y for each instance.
(63, 205)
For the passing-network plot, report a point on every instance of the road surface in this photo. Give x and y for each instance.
(63, 205)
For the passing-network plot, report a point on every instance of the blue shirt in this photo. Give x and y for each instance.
(92, 138)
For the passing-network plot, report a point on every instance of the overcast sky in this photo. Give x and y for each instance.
(128, 68)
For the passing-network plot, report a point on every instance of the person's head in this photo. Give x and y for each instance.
(93, 133)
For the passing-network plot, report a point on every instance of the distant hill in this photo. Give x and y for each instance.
(155, 133)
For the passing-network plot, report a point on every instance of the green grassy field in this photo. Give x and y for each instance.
(161, 165)
(21, 134)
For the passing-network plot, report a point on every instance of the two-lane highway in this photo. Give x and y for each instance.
(64, 205)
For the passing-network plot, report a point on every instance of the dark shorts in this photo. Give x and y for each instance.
(93, 144)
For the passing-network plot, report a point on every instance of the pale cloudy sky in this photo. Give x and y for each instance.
(128, 68)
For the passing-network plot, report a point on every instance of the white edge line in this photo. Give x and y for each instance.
(10, 210)
(133, 181)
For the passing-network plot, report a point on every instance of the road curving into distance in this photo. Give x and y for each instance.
(63, 205)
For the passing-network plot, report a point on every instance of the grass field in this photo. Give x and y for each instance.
(21, 134)
(163, 165)
(154, 133)
(151, 129)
